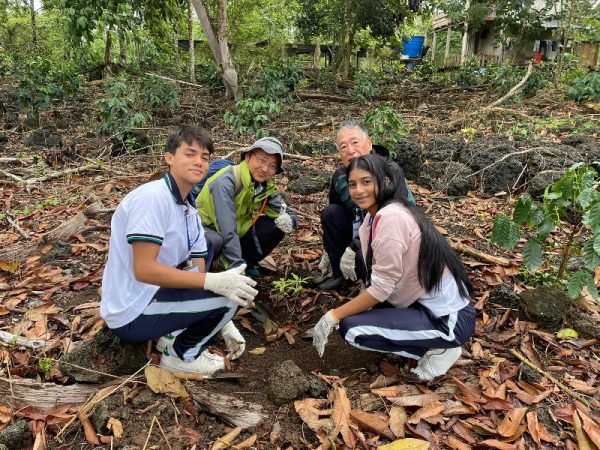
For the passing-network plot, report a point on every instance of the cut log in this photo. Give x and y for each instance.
(497, 260)
(232, 410)
(23, 392)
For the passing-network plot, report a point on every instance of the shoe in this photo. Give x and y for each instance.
(330, 283)
(164, 342)
(436, 362)
(252, 272)
(206, 364)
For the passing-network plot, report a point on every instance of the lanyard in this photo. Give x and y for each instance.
(369, 258)
(187, 231)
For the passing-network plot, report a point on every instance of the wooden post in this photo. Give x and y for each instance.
(448, 37)
(465, 39)
(433, 45)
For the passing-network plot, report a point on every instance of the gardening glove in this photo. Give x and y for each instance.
(233, 285)
(235, 342)
(347, 264)
(284, 221)
(324, 264)
(322, 330)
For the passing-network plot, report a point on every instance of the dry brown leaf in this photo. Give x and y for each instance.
(415, 400)
(494, 443)
(510, 424)
(384, 381)
(116, 427)
(5, 414)
(582, 386)
(226, 440)
(456, 444)
(395, 391)
(583, 441)
(591, 428)
(456, 408)
(247, 443)
(164, 382)
(398, 418)
(340, 416)
(426, 411)
(374, 422)
(258, 351)
(533, 426)
(309, 412)
(275, 432)
(88, 429)
(465, 433)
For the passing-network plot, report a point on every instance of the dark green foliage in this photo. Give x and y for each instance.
(365, 88)
(251, 115)
(276, 80)
(586, 88)
(207, 74)
(469, 74)
(385, 126)
(571, 203)
(158, 93)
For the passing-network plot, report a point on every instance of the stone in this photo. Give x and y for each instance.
(504, 295)
(317, 388)
(43, 137)
(15, 436)
(286, 383)
(312, 184)
(545, 306)
(408, 155)
(586, 324)
(105, 353)
(451, 177)
(443, 148)
(540, 181)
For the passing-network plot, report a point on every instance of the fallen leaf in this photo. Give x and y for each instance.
(258, 351)
(309, 412)
(406, 444)
(375, 423)
(510, 424)
(415, 400)
(582, 386)
(582, 440)
(10, 267)
(533, 427)
(226, 440)
(163, 382)
(398, 418)
(456, 444)
(275, 432)
(426, 411)
(494, 443)
(591, 428)
(567, 333)
(88, 429)
(116, 426)
(340, 416)
(247, 443)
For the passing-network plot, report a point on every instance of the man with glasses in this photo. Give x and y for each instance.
(341, 219)
(243, 215)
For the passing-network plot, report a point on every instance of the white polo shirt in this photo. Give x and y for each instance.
(153, 212)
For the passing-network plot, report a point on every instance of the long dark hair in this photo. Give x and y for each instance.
(435, 254)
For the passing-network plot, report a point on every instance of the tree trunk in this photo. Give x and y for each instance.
(122, 47)
(317, 54)
(176, 49)
(217, 41)
(107, 49)
(33, 24)
(192, 62)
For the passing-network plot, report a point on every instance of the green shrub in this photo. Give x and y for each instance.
(207, 74)
(586, 88)
(571, 203)
(469, 74)
(385, 126)
(425, 70)
(276, 80)
(365, 88)
(158, 93)
(251, 115)
(121, 110)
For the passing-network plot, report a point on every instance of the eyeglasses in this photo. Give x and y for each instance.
(265, 163)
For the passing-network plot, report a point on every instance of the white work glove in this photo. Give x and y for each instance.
(236, 344)
(324, 264)
(284, 221)
(232, 284)
(347, 264)
(322, 330)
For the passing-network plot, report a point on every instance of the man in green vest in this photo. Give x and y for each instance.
(243, 215)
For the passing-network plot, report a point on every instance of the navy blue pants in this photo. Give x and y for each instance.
(256, 244)
(336, 221)
(408, 332)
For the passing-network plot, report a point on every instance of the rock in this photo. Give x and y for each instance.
(451, 177)
(529, 375)
(545, 305)
(287, 383)
(60, 250)
(557, 157)
(43, 137)
(16, 436)
(3, 138)
(443, 149)
(317, 388)
(103, 353)
(109, 407)
(541, 181)
(504, 295)
(584, 323)
(409, 156)
(316, 182)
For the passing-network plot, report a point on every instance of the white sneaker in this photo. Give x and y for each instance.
(436, 362)
(164, 342)
(207, 363)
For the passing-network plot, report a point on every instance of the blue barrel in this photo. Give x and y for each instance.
(413, 48)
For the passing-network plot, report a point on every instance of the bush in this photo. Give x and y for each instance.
(120, 111)
(276, 80)
(207, 74)
(365, 88)
(385, 126)
(251, 115)
(158, 93)
(586, 88)
(469, 74)
(425, 70)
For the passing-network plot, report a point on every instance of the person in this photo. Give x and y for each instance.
(244, 216)
(417, 300)
(155, 284)
(341, 218)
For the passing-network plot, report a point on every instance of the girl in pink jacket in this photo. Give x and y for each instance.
(417, 300)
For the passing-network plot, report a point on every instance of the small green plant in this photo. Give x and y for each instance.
(45, 364)
(365, 88)
(251, 115)
(207, 74)
(572, 203)
(157, 93)
(586, 88)
(469, 74)
(385, 125)
(119, 111)
(292, 285)
(276, 81)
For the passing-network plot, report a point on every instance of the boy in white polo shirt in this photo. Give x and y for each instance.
(155, 283)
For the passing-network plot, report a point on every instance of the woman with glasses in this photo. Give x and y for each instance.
(242, 212)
